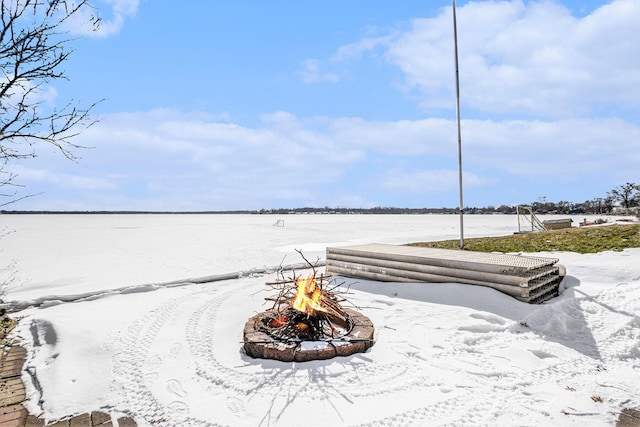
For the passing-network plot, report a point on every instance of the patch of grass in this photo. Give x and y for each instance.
(583, 240)
(6, 325)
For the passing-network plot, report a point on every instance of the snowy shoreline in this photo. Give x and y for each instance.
(444, 353)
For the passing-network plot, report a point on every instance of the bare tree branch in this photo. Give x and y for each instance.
(34, 44)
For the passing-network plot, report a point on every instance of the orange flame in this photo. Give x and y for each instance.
(308, 299)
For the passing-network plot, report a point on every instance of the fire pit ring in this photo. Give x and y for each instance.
(260, 345)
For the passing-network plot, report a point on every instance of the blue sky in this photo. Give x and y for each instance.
(249, 105)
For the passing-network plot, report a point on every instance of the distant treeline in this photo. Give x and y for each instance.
(119, 212)
(540, 207)
(283, 211)
(287, 211)
(370, 211)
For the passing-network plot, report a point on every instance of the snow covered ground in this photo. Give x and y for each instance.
(445, 354)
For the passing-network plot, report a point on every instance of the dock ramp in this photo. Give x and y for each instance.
(528, 279)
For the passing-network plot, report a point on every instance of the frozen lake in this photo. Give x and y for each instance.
(444, 354)
(59, 252)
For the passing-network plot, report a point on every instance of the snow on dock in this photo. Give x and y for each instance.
(529, 279)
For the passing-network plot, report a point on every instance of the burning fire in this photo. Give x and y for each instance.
(308, 299)
(306, 308)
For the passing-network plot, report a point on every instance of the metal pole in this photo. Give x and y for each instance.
(455, 42)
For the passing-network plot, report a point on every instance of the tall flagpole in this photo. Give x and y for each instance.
(455, 42)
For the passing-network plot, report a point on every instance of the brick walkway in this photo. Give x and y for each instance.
(12, 395)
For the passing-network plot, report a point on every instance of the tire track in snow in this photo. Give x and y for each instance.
(253, 387)
(138, 367)
(362, 380)
(492, 380)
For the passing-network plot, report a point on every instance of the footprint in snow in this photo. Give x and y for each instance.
(154, 361)
(174, 351)
(236, 406)
(175, 387)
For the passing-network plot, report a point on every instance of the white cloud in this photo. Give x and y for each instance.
(63, 180)
(399, 138)
(165, 160)
(366, 45)
(120, 10)
(285, 161)
(34, 94)
(520, 59)
(574, 147)
(112, 15)
(428, 181)
(533, 58)
(312, 73)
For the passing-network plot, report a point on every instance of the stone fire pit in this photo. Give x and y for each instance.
(259, 344)
(307, 321)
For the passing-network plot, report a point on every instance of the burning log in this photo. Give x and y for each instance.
(307, 309)
(313, 301)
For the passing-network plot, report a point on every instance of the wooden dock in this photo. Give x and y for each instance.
(529, 279)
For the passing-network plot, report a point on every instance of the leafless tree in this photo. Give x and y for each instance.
(628, 194)
(35, 41)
